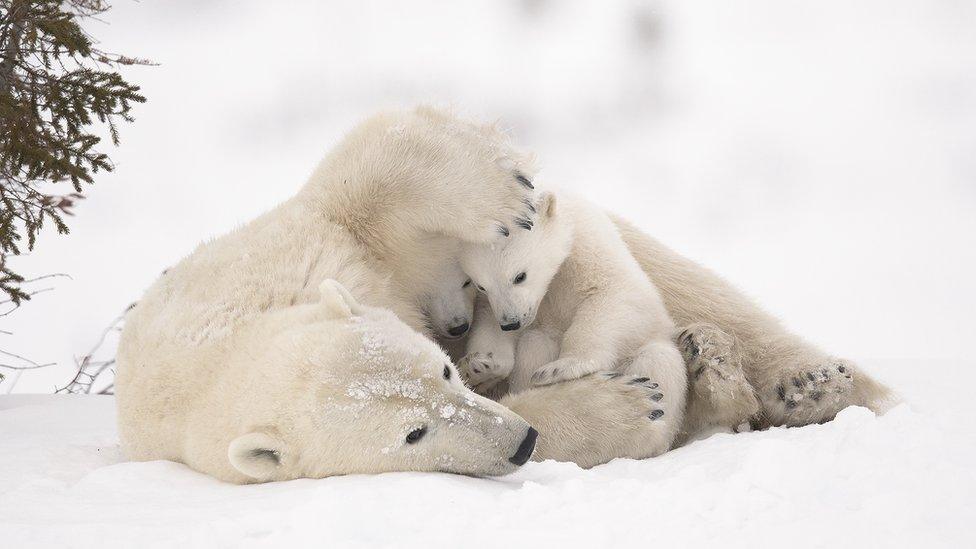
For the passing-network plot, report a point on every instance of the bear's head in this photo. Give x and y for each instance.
(350, 388)
(515, 275)
(449, 304)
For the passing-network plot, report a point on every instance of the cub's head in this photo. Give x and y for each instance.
(354, 390)
(449, 305)
(516, 274)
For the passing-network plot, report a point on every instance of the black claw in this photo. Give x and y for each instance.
(797, 382)
(612, 375)
(781, 391)
(657, 396)
(841, 369)
(528, 204)
(810, 376)
(524, 180)
(555, 372)
(503, 230)
(652, 386)
(524, 223)
(699, 372)
(635, 381)
(790, 404)
(816, 395)
(656, 414)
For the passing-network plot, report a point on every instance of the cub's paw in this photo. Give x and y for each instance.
(812, 394)
(715, 375)
(483, 371)
(562, 369)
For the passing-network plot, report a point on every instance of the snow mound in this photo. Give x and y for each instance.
(897, 480)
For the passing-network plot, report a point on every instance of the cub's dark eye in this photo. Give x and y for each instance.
(447, 372)
(466, 283)
(480, 289)
(416, 435)
(519, 278)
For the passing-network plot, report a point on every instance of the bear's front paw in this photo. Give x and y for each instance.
(483, 371)
(511, 207)
(563, 369)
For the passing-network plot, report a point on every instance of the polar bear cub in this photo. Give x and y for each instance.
(566, 299)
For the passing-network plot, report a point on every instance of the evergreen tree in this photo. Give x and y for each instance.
(56, 87)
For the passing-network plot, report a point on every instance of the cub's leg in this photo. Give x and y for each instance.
(719, 395)
(659, 366)
(591, 342)
(535, 349)
(591, 420)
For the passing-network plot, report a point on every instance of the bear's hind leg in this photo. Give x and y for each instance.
(804, 386)
(810, 391)
(719, 395)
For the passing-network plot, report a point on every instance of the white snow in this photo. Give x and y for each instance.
(818, 154)
(902, 480)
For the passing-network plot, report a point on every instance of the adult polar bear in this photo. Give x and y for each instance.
(248, 362)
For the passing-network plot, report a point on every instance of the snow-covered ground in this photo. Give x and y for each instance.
(901, 480)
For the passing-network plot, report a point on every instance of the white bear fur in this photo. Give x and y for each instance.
(795, 382)
(238, 340)
(584, 306)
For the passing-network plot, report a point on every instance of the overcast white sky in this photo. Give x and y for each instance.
(818, 154)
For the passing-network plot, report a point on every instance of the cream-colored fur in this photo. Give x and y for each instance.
(574, 302)
(237, 364)
(795, 382)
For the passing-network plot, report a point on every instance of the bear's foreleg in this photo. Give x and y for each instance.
(592, 420)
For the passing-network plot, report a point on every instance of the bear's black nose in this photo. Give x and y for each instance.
(511, 326)
(458, 331)
(524, 451)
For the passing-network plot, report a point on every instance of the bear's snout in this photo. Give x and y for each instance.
(511, 326)
(525, 449)
(458, 331)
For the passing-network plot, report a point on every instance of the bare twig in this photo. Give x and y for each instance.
(88, 369)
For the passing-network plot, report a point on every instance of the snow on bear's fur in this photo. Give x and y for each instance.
(569, 300)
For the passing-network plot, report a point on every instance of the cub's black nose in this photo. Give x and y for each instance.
(458, 331)
(524, 451)
(511, 326)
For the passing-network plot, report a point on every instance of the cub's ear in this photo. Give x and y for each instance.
(547, 204)
(337, 300)
(256, 455)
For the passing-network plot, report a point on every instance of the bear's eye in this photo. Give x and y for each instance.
(480, 289)
(519, 278)
(416, 435)
(447, 372)
(466, 283)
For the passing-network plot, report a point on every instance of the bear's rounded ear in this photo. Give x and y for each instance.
(256, 455)
(547, 204)
(337, 300)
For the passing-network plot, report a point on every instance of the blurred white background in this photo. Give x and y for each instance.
(821, 155)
